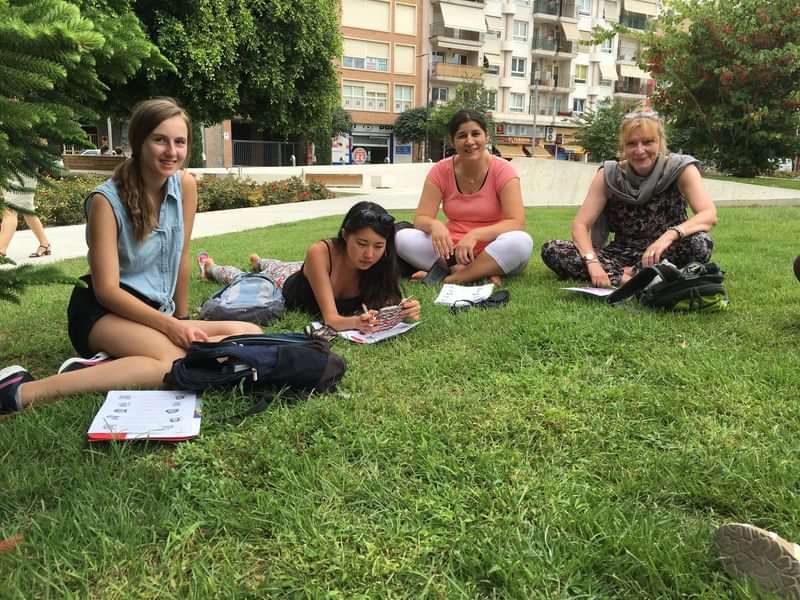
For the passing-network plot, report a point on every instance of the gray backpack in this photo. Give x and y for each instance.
(252, 297)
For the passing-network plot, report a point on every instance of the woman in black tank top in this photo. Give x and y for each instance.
(357, 267)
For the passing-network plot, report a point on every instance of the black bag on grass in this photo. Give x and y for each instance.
(269, 361)
(696, 286)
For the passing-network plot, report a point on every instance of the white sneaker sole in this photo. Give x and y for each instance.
(766, 558)
(75, 364)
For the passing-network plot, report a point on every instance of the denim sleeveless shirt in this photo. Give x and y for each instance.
(151, 266)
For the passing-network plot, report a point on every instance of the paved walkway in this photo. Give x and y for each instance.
(70, 241)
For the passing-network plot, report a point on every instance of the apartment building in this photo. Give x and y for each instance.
(534, 57)
(380, 76)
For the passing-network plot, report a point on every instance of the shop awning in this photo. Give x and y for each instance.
(608, 71)
(463, 17)
(571, 31)
(573, 149)
(643, 8)
(494, 23)
(633, 71)
(511, 151)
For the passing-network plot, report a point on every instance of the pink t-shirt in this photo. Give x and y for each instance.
(466, 212)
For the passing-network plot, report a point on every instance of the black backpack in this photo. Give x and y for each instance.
(259, 363)
(695, 287)
(252, 297)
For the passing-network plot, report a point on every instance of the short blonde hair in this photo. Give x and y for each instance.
(649, 123)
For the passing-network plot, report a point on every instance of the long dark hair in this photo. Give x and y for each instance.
(464, 116)
(146, 116)
(380, 284)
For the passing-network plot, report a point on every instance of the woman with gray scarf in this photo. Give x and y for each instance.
(641, 199)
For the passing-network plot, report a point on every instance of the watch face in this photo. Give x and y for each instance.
(588, 256)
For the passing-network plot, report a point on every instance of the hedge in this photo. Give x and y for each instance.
(60, 201)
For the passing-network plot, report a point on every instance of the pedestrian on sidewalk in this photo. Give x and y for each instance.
(21, 200)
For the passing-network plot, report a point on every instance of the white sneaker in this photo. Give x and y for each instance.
(78, 362)
(763, 556)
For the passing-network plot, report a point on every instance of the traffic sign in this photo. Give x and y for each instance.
(359, 156)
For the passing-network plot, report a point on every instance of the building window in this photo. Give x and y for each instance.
(375, 101)
(403, 98)
(370, 56)
(606, 46)
(521, 31)
(578, 105)
(353, 97)
(584, 7)
(439, 94)
(580, 73)
(374, 63)
(517, 102)
(437, 57)
(458, 59)
(517, 67)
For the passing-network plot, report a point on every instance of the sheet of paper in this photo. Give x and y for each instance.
(145, 414)
(591, 291)
(452, 293)
(356, 336)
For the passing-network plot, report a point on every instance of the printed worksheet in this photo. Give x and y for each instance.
(356, 336)
(591, 291)
(147, 414)
(452, 293)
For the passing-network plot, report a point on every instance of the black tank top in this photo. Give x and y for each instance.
(298, 294)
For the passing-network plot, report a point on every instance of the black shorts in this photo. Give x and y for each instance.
(84, 311)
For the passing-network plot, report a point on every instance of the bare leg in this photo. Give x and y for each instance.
(483, 266)
(254, 258)
(146, 355)
(38, 229)
(7, 228)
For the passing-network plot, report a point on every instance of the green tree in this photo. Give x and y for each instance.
(728, 77)
(340, 123)
(599, 129)
(411, 126)
(50, 80)
(270, 62)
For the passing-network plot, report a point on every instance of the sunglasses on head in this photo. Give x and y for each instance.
(383, 218)
(642, 114)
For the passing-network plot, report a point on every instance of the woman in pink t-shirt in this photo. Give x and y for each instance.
(481, 197)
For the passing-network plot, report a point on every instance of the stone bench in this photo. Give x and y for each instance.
(89, 162)
(336, 179)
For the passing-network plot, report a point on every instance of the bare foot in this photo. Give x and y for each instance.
(254, 258)
(419, 275)
(496, 279)
(204, 261)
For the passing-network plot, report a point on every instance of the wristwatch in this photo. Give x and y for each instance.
(679, 230)
(589, 257)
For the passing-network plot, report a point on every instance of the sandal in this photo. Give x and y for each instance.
(41, 251)
(499, 298)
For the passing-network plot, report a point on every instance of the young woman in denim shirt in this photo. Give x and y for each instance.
(135, 306)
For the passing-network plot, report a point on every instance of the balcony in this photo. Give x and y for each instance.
(448, 72)
(554, 8)
(459, 39)
(633, 20)
(562, 85)
(630, 87)
(548, 46)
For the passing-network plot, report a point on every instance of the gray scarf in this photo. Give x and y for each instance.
(628, 187)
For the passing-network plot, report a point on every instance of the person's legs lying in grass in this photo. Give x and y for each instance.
(145, 356)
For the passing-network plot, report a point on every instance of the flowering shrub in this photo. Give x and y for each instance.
(60, 201)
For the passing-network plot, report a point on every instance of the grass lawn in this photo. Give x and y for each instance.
(555, 448)
(779, 182)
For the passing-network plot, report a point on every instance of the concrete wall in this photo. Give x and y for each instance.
(544, 182)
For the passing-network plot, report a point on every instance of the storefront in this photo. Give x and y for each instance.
(375, 142)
